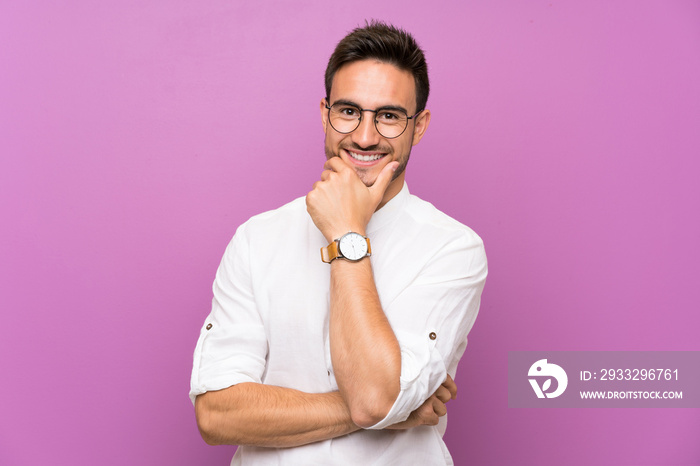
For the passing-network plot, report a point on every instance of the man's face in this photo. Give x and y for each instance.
(372, 84)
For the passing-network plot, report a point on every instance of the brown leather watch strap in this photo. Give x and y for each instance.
(329, 252)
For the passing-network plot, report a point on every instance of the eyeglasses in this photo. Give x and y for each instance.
(390, 122)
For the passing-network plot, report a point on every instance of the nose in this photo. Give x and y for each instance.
(366, 135)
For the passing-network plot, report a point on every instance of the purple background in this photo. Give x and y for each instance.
(135, 137)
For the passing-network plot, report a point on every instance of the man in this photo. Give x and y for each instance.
(344, 359)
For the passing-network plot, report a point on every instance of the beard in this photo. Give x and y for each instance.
(362, 173)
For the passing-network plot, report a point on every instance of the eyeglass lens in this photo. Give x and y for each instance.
(346, 118)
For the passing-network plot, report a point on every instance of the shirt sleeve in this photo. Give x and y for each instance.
(437, 312)
(232, 346)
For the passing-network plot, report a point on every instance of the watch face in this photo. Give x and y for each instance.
(353, 246)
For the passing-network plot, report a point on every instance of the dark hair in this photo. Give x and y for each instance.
(386, 43)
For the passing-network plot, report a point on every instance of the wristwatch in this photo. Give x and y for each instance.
(351, 246)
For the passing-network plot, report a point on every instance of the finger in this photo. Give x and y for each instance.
(432, 420)
(427, 413)
(383, 180)
(443, 394)
(439, 407)
(451, 386)
(325, 174)
(335, 164)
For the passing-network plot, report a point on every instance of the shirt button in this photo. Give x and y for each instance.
(329, 373)
(432, 335)
(209, 326)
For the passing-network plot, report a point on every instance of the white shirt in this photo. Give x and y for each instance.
(269, 321)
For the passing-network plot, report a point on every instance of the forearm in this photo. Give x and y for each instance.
(365, 352)
(270, 416)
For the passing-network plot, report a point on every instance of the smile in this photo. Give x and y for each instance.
(365, 158)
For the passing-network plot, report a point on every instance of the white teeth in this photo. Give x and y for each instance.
(365, 158)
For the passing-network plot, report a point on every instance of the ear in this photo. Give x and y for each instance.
(422, 122)
(324, 114)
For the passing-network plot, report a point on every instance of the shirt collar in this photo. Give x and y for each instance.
(389, 211)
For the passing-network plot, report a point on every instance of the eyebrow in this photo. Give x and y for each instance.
(383, 107)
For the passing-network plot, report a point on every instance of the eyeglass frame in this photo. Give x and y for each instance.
(362, 112)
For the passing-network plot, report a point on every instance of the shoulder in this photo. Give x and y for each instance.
(261, 235)
(434, 222)
(451, 248)
(270, 223)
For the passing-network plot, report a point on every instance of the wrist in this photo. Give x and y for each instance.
(338, 233)
(351, 246)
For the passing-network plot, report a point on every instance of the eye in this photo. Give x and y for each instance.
(388, 117)
(347, 111)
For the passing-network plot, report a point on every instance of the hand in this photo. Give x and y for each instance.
(448, 390)
(340, 201)
(430, 412)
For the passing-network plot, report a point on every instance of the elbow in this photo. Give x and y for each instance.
(207, 421)
(371, 410)
(208, 439)
(219, 419)
(365, 419)
(208, 436)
